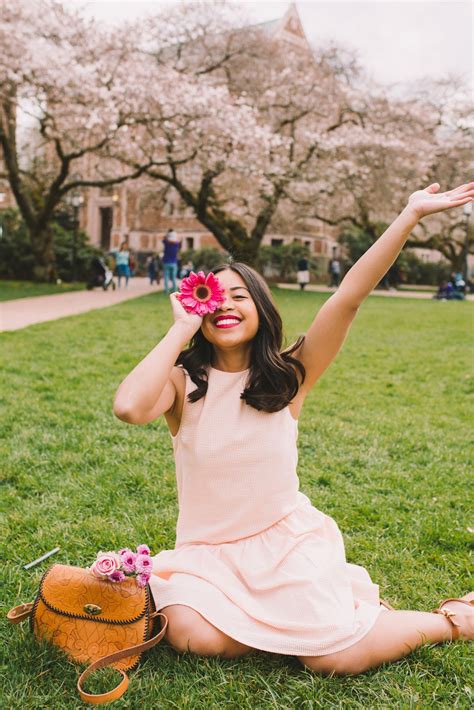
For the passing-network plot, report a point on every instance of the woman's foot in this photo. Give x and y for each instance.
(461, 616)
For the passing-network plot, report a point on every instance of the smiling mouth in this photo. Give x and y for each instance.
(227, 323)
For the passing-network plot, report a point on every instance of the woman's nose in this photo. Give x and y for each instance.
(226, 302)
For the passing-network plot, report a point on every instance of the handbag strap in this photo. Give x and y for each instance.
(120, 689)
(21, 612)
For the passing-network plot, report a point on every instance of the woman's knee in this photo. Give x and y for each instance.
(189, 631)
(341, 663)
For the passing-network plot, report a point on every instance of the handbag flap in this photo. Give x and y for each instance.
(74, 591)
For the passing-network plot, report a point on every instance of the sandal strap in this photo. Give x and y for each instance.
(450, 617)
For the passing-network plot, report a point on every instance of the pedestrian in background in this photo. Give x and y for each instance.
(172, 245)
(334, 269)
(152, 269)
(186, 269)
(122, 263)
(302, 276)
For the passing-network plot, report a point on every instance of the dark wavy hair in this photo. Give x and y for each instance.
(272, 381)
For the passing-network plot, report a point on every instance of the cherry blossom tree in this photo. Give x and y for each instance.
(249, 132)
(60, 105)
(325, 126)
(451, 163)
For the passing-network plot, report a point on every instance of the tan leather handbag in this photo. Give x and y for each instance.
(93, 621)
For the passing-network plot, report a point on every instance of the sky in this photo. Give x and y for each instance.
(396, 40)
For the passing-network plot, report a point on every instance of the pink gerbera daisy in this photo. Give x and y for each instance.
(201, 294)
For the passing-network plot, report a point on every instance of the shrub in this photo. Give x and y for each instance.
(16, 255)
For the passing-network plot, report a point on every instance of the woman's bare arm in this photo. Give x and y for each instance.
(140, 391)
(374, 264)
(331, 324)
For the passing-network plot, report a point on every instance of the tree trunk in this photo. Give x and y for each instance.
(42, 247)
(246, 250)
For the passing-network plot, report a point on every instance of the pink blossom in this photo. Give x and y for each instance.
(143, 564)
(124, 550)
(143, 550)
(128, 561)
(201, 294)
(117, 576)
(106, 563)
(142, 580)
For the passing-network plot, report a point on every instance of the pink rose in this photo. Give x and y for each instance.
(128, 561)
(105, 564)
(124, 550)
(143, 564)
(117, 576)
(142, 580)
(143, 550)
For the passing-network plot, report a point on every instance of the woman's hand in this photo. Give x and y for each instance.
(429, 201)
(190, 321)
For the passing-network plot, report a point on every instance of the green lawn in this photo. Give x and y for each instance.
(27, 289)
(385, 447)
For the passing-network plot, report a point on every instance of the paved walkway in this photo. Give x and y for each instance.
(21, 312)
(375, 292)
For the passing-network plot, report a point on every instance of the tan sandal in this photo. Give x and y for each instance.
(451, 614)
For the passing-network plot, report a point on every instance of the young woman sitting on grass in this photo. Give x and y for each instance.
(255, 564)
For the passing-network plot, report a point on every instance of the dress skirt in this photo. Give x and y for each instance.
(287, 589)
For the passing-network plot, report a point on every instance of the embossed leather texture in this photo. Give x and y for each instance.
(59, 614)
(93, 621)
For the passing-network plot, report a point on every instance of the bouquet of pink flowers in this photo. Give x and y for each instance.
(117, 566)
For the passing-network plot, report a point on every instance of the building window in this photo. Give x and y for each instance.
(189, 242)
(277, 242)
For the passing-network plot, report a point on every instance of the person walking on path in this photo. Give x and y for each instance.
(122, 262)
(255, 565)
(302, 276)
(172, 245)
(334, 269)
(152, 269)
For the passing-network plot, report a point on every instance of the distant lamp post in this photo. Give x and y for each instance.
(75, 200)
(467, 216)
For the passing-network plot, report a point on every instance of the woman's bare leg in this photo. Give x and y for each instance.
(394, 635)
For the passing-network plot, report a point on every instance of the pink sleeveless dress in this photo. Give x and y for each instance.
(252, 554)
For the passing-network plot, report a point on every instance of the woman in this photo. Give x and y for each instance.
(302, 275)
(255, 565)
(122, 262)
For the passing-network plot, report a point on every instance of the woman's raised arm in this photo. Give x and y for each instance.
(372, 266)
(140, 394)
(331, 325)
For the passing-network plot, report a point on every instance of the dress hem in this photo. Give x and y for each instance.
(254, 642)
